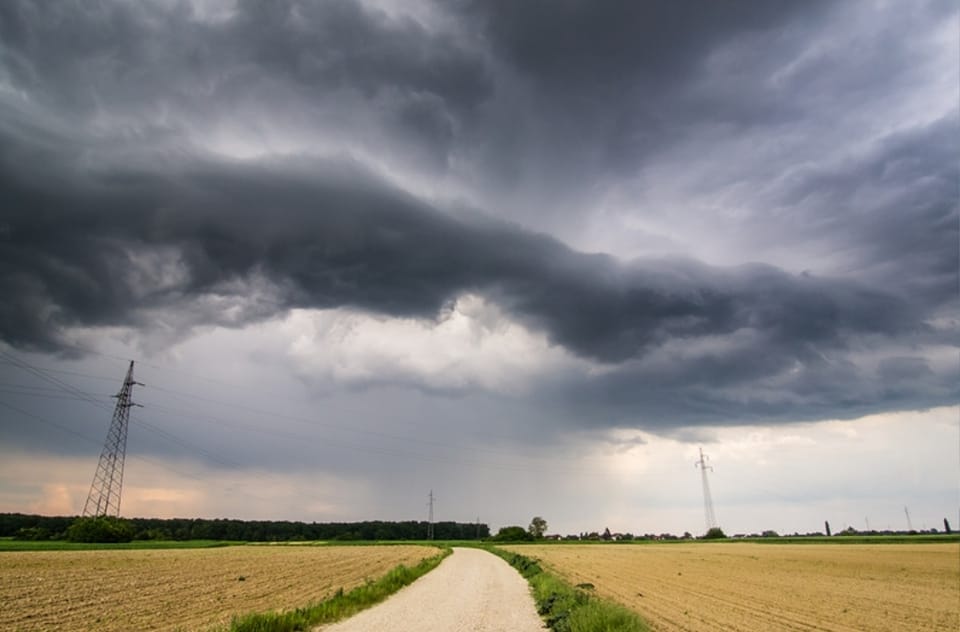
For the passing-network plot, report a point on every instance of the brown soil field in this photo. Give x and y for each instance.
(179, 589)
(745, 586)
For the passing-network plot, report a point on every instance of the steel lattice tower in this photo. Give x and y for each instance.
(711, 519)
(104, 496)
(430, 521)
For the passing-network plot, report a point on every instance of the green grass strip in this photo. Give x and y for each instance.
(566, 608)
(340, 605)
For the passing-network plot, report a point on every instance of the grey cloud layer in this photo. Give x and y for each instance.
(331, 235)
(115, 211)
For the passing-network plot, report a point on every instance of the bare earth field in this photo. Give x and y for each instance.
(185, 589)
(744, 586)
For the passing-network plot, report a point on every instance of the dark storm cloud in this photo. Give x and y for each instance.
(328, 234)
(115, 210)
(618, 85)
(612, 80)
(149, 67)
(325, 234)
(620, 46)
(323, 46)
(755, 380)
(895, 209)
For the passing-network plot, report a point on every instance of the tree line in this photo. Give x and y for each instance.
(34, 527)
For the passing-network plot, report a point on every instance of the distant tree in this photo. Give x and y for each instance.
(32, 533)
(512, 534)
(946, 526)
(606, 535)
(538, 526)
(714, 533)
(769, 533)
(240, 530)
(152, 534)
(100, 529)
(826, 523)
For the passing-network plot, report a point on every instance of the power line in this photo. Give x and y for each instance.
(78, 394)
(59, 384)
(137, 457)
(312, 423)
(48, 422)
(44, 374)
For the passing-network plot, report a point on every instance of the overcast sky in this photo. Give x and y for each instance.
(530, 255)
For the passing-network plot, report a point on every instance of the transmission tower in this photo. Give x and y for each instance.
(430, 519)
(711, 519)
(104, 496)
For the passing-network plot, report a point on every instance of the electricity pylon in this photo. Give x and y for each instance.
(430, 521)
(711, 519)
(104, 496)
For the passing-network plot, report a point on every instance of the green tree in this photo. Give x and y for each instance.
(512, 534)
(100, 529)
(714, 533)
(538, 526)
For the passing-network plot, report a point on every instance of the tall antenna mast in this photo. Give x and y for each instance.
(430, 520)
(104, 496)
(711, 518)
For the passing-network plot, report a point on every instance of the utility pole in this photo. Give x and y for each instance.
(909, 523)
(104, 496)
(430, 519)
(710, 517)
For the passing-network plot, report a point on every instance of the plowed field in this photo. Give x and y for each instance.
(747, 587)
(181, 589)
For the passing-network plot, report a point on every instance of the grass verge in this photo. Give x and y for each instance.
(340, 605)
(566, 608)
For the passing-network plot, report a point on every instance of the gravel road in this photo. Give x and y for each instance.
(470, 590)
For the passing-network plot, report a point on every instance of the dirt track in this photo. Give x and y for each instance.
(471, 590)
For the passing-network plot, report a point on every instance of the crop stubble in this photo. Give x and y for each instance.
(187, 589)
(743, 586)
